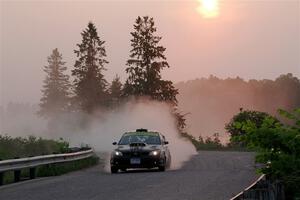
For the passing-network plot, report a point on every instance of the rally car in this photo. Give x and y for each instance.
(140, 149)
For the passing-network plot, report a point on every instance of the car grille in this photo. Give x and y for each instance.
(135, 153)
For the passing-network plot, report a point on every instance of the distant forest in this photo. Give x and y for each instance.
(211, 102)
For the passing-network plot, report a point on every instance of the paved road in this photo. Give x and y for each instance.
(208, 175)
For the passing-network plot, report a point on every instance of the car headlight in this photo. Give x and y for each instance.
(154, 153)
(118, 153)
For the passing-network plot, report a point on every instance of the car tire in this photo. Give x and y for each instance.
(123, 169)
(162, 168)
(113, 170)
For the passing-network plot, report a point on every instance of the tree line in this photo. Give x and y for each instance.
(283, 91)
(90, 90)
(216, 100)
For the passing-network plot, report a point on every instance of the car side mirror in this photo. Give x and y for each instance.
(114, 143)
(166, 142)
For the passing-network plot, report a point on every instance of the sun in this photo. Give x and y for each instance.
(208, 8)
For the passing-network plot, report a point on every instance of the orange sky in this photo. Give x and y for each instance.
(250, 39)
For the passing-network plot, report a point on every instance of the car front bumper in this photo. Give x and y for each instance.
(145, 162)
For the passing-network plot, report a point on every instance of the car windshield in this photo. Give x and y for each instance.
(140, 138)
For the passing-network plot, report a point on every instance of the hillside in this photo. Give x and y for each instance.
(211, 102)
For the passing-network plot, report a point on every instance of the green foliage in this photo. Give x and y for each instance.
(244, 120)
(278, 147)
(56, 88)
(89, 83)
(210, 143)
(30, 146)
(146, 61)
(62, 168)
(180, 120)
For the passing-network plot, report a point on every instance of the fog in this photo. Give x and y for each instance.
(102, 128)
(250, 39)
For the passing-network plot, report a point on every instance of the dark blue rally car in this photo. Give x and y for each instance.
(140, 149)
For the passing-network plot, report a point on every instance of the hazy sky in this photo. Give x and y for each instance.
(250, 38)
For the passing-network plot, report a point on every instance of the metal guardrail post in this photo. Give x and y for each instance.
(32, 173)
(17, 175)
(1, 178)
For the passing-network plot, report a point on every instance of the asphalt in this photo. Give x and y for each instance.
(208, 175)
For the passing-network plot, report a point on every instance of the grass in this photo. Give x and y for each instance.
(20, 147)
(211, 143)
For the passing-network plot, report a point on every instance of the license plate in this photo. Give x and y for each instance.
(135, 161)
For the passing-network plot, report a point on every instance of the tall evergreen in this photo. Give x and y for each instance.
(89, 84)
(146, 61)
(115, 91)
(56, 88)
(116, 88)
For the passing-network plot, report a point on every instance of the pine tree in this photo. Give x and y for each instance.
(56, 88)
(90, 85)
(116, 88)
(146, 61)
(115, 91)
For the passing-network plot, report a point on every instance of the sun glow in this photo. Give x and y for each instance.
(208, 8)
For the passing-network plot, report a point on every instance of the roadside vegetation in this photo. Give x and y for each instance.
(212, 143)
(20, 147)
(277, 144)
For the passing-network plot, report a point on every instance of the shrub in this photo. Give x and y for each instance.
(19, 147)
(278, 147)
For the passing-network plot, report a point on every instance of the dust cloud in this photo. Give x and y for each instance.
(102, 128)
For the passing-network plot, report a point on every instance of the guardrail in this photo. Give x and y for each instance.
(17, 164)
(241, 194)
(262, 189)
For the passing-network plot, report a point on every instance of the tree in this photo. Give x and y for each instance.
(115, 91)
(146, 61)
(90, 85)
(56, 88)
(289, 87)
(278, 147)
(234, 127)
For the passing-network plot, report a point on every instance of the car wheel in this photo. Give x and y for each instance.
(123, 169)
(113, 170)
(162, 168)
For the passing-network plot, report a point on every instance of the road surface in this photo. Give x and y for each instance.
(208, 175)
